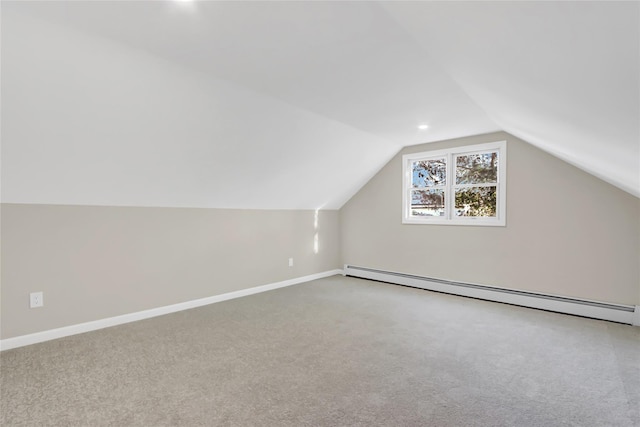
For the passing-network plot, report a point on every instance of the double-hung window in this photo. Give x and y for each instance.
(461, 186)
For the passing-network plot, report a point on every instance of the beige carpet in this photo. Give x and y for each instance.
(333, 352)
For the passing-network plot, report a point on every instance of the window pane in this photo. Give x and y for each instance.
(427, 202)
(477, 168)
(477, 201)
(429, 173)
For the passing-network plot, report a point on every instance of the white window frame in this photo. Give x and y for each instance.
(449, 217)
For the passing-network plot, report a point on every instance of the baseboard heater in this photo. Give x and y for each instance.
(628, 314)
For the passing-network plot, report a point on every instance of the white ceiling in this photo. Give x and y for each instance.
(297, 104)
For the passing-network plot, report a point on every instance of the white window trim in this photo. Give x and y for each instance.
(449, 154)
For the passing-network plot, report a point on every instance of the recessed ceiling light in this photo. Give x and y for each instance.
(423, 127)
(188, 5)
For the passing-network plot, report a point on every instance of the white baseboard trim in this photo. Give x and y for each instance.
(628, 314)
(80, 328)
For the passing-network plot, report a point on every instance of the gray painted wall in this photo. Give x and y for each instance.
(97, 262)
(567, 233)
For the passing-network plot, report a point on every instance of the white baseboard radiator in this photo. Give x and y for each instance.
(628, 314)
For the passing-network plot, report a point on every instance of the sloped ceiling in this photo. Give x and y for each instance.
(295, 105)
(563, 76)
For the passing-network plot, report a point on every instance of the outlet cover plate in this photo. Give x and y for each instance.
(36, 299)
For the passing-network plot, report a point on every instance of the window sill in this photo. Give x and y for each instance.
(465, 222)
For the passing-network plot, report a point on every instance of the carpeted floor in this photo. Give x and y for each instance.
(333, 352)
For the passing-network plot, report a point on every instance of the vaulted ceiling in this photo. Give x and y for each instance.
(297, 104)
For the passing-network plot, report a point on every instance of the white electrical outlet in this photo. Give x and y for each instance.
(36, 299)
(290, 262)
